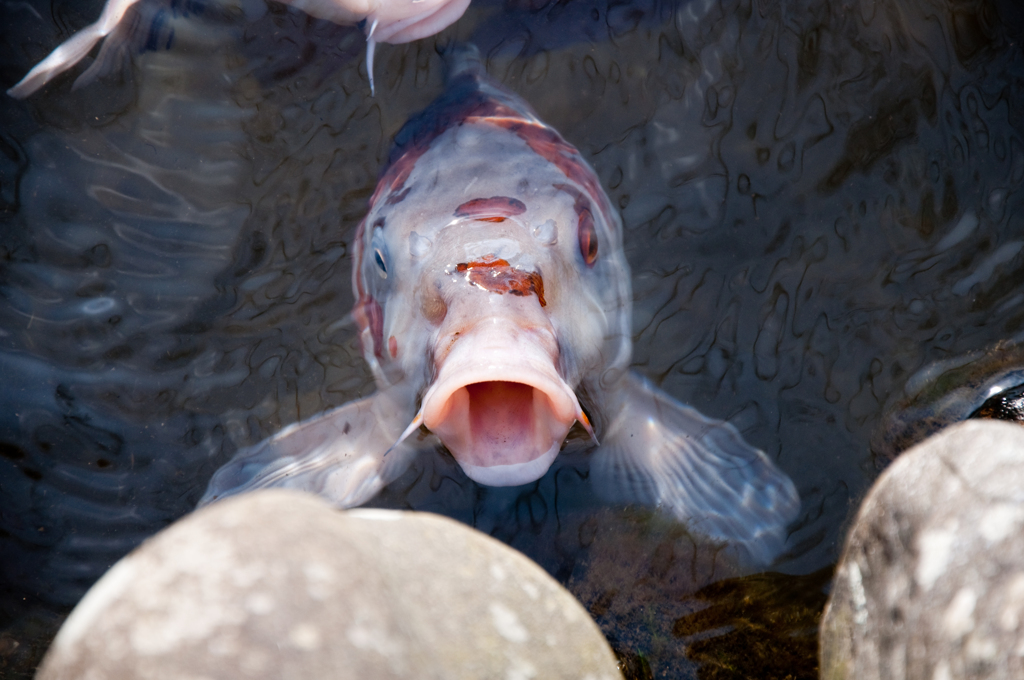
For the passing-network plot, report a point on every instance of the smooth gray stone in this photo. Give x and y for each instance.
(277, 584)
(931, 582)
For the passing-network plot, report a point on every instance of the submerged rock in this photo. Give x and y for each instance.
(277, 584)
(981, 384)
(931, 582)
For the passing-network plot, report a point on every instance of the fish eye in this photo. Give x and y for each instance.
(380, 251)
(588, 237)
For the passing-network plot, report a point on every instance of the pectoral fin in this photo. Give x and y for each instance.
(660, 452)
(346, 456)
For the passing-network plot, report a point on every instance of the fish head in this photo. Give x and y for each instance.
(490, 282)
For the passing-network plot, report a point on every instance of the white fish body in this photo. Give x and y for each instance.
(492, 290)
(387, 21)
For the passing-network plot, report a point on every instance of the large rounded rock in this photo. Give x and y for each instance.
(277, 584)
(931, 582)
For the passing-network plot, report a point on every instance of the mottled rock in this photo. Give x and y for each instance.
(931, 582)
(277, 584)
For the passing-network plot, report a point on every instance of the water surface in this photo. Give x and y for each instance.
(819, 199)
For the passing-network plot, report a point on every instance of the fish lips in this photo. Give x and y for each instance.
(499, 404)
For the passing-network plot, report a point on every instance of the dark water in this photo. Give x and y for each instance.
(820, 198)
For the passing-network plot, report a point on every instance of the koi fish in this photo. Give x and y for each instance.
(387, 21)
(494, 310)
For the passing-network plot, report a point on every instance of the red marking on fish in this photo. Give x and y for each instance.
(585, 230)
(497, 276)
(399, 197)
(408, 150)
(368, 314)
(393, 180)
(550, 146)
(393, 347)
(358, 286)
(493, 209)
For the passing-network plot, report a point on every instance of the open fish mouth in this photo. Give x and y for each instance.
(500, 406)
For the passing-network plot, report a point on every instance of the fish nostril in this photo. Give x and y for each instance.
(546, 233)
(433, 307)
(419, 245)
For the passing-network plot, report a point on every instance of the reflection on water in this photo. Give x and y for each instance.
(819, 200)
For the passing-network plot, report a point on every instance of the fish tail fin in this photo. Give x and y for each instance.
(75, 48)
(462, 59)
(467, 80)
(66, 55)
(660, 452)
(114, 52)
